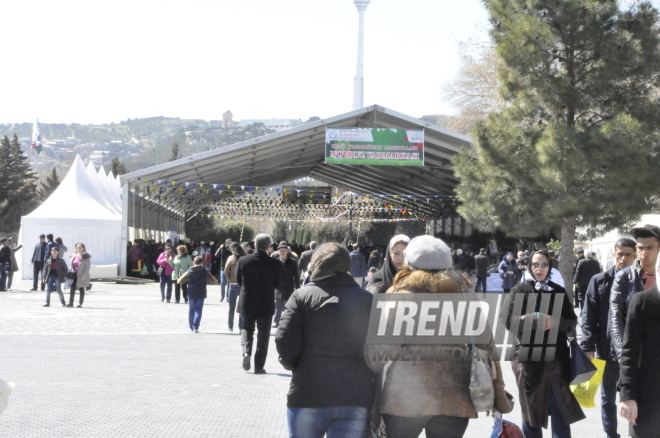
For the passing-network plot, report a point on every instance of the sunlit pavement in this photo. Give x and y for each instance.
(127, 365)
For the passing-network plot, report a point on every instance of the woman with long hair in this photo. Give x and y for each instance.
(543, 385)
(180, 264)
(234, 289)
(166, 274)
(384, 277)
(80, 265)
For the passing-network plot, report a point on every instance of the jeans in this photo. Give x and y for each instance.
(263, 337)
(3, 277)
(53, 283)
(166, 280)
(279, 307)
(224, 285)
(37, 268)
(195, 307)
(481, 284)
(177, 292)
(232, 295)
(336, 422)
(72, 292)
(559, 429)
(435, 426)
(608, 398)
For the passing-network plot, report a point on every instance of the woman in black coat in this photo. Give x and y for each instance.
(543, 385)
(640, 381)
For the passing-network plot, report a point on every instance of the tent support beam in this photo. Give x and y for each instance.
(124, 230)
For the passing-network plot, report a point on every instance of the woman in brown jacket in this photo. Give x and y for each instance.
(234, 289)
(429, 395)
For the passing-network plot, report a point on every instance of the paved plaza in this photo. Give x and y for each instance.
(126, 365)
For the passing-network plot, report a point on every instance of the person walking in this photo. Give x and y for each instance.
(374, 260)
(163, 261)
(49, 244)
(586, 269)
(428, 394)
(180, 264)
(234, 288)
(596, 339)
(61, 246)
(290, 282)
(521, 266)
(197, 278)
(39, 256)
(481, 263)
(81, 262)
(222, 254)
(640, 354)
(320, 339)
(543, 385)
(14, 264)
(258, 275)
(507, 270)
(54, 275)
(638, 277)
(358, 265)
(384, 277)
(5, 263)
(306, 257)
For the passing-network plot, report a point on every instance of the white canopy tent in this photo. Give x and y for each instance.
(78, 211)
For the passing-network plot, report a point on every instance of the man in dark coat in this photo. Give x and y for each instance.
(258, 275)
(596, 340)
(290, 282)
(5, 263)
(39, 256)
(222, 254)
(306, 257)
(358, 265)
(640, 381)
(481, 263)
(586, 268)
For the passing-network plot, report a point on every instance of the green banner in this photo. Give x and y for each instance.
(374, 146)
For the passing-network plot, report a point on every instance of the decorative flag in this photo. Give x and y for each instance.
(36, 138)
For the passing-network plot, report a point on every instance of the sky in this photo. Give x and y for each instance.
(105, 61)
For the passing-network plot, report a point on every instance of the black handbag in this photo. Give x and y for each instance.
(582, 369)
(70, 275)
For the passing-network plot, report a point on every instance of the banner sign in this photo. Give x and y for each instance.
(374, 146)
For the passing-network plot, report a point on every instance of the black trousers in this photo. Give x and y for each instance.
(37, 268)
(436, 426)
(72, 292)
(177, 292)
(263, 337)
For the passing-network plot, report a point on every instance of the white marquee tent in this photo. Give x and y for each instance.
(84, 208)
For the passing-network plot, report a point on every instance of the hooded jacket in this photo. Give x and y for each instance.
(197, 278)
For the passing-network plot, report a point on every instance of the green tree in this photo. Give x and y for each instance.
(175, 152)
(18, 190)
(118, 167)
(48, 186)
(233, 229)
(577, 143)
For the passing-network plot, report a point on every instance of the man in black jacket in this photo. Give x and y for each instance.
(222, 254)
(586, 268)
(596, 340)
(258, 275)
(290, 283)
(306, 257)
(39, 256)
(481, 262)
(5, 263)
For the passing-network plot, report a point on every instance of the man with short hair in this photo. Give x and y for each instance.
(636, 278)
(290, 283)
(596, 341)
(481, 264)
(258, 275)
(5, 263)
(306, 257)
(39, 256)
(54, 275)
(50, 244)
(521, 265)
(222, 254)
(358, 265)
(586, 268)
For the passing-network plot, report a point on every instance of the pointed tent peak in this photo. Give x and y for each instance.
(78, 162)
(102, 171)
(110, 175)
(91, 167)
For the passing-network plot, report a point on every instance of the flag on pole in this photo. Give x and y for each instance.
(36, 138)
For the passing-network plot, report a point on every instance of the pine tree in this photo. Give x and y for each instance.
(577, 144)
(19, 189)
(118, 167)
(175, 152)
(47, 187)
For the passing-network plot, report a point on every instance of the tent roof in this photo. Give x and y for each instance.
(298, 152)
(77, 197)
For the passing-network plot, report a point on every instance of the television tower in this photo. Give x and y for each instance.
(358, 85)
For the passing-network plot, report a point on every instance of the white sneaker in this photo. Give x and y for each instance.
(196, 331)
